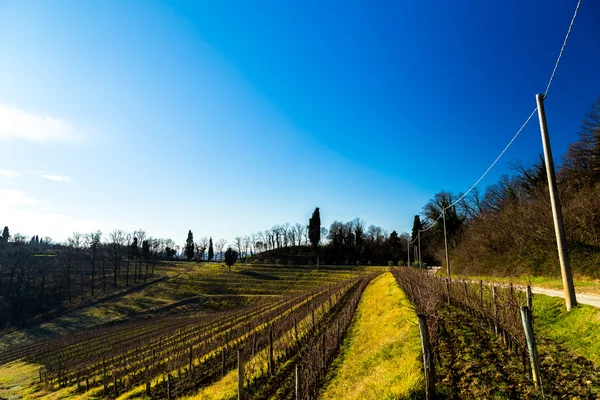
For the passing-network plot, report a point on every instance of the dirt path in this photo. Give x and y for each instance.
(589, 299)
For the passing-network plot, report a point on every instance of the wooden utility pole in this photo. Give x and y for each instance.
(563, 255)
(419, 239)
(446, 242)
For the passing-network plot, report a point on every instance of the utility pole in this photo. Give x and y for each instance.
(419, 237)
(408, 251)
(563, 255)
(446, 242)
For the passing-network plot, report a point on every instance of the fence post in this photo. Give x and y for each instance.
(495, 299)
(168, 386)
(529, 298)
(240, 374)
(115, 387)
(324, 350)
(428, 365)
(147, 382)
(271, 361)
(297, 388)
(531, 346)
(481, 295)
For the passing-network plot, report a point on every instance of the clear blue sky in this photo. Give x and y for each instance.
(229, 117)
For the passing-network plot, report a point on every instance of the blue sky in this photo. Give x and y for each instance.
(229, 117)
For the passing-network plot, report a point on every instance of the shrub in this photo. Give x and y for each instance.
(291, 262)
(400, 263)
(278, 261)
(390, 263)
(357, 263)
(268, 261)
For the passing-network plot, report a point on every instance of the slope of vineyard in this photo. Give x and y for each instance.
(177, 353)
(184, 288)
(381, 355)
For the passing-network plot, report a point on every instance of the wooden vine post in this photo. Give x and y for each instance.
(240, 356)
(495, 301)
(297, 383)
(428, 364)
(271, 360)
(531, 346)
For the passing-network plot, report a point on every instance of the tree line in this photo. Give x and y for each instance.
(508, 229)
(38, 275)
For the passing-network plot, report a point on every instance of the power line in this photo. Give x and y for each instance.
(562, 49)
(495, 161)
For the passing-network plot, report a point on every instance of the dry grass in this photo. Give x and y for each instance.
(381, 354)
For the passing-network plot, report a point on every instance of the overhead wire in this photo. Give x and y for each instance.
(560, 54)
(562, 49)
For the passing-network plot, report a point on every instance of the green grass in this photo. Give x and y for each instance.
(381, 354)
(578, 330)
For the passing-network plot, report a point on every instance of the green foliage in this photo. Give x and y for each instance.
(211, 252)
(189, 246)
(170, 253)
(314, 229)
(231, 257)
(5, 235)
(416, 226)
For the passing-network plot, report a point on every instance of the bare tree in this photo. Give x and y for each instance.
(140, 234)
(117, 241)
(220, 246)
(201, 246)
(92, 240)
(239, 244)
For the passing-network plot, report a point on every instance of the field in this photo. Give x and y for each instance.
(204, 332)
(181, 333)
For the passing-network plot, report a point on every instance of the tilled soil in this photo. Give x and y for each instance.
(474, 364)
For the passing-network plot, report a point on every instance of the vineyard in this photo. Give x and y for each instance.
(479, 342)
(292, 317)
(270, 332)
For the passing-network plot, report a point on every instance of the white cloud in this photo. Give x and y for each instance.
(10, 198)
(7, 175)
(16, 123)
(57, 178)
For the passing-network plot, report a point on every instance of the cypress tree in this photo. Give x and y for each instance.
(211, 252)
(189, 246)
(314, 232)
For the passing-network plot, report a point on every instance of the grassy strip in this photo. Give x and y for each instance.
(577, 330)
(381, 353)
